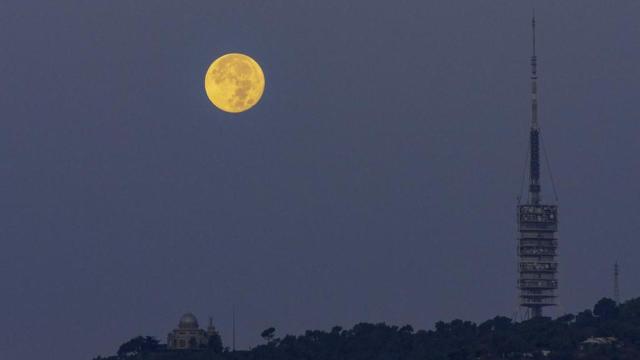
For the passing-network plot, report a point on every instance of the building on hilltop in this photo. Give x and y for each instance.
(188, 334)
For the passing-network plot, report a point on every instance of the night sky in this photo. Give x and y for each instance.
(376, 180)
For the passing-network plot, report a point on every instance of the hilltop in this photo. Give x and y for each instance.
(608, 331)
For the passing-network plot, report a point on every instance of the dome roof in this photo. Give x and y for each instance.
(188, 321)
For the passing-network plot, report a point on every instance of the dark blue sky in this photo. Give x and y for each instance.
(375, 181)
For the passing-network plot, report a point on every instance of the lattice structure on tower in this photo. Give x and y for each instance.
(537, 224)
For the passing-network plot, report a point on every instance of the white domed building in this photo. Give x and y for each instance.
(188, 334)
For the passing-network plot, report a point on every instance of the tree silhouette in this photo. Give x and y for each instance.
(616, 329)
(138, 345)
(214, 342)
(606, 309)
(268, 334)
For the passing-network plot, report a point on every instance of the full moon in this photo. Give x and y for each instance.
(234, 83)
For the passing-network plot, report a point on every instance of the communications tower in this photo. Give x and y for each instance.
(537, 223)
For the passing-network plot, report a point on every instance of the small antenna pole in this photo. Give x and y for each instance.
(616, 284)
(233, 341)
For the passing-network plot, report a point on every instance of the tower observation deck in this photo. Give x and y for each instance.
(537, 224)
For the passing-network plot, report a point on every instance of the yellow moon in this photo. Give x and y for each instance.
(234, 83)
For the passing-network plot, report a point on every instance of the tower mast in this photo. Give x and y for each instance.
(537, 222)
(534, 132)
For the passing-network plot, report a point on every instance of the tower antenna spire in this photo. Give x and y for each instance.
(533, 26)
